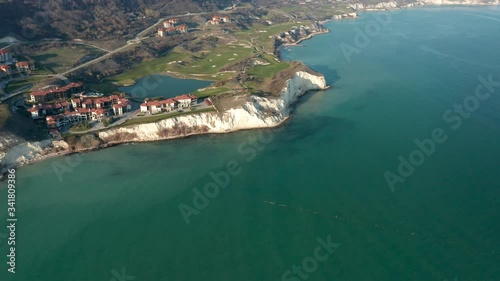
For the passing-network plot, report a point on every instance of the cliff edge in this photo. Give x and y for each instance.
(252, 112)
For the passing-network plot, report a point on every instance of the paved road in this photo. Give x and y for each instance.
(18, 92)
(139, 37)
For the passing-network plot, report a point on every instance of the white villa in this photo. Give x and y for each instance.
(6, 56)
(157, 106)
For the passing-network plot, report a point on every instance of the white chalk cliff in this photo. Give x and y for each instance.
(257, 112)
(23, 154)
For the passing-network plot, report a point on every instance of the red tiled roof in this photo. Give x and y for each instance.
(83, 110)
(169, 101)
(103, 100)
(151, 103)
(33, 109)
(4, 51)
(71, 113)
(23, 64)
(58, 117)
(183, 97)
(100, 111)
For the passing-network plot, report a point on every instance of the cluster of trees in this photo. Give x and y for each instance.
(91, 19)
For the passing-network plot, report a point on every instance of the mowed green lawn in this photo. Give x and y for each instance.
(207, 64)
(60, 59)
(17, 84)
(267, 71)
(203, 65)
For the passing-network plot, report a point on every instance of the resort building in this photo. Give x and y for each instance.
(182, 28)
(24, 66)
(168, 105)
(161, 32)
(6, 56)
(151, 107)
(185, 100)
(158, 106)
(57, 93)
(78, 110)
(5, 68)
(170, 27)
(173, 21)
(218, 20)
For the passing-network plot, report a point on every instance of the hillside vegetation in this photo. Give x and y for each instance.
(91, 19)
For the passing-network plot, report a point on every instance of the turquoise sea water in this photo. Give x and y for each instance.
(163, 86)
(118, 209)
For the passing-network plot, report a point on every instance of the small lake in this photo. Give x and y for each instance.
(157, 85)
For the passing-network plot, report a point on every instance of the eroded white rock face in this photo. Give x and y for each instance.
(23, 154)
(386, 5)
(257, 113)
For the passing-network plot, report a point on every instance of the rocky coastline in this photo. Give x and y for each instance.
(251, 112)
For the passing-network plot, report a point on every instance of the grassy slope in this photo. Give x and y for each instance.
(206, 64)
(16, 84)
(59, 59)
(5, 115)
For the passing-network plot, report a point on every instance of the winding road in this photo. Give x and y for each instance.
(137, 39)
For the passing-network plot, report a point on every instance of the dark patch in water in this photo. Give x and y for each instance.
(310, 126)
(359, 107)
(331, 75)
